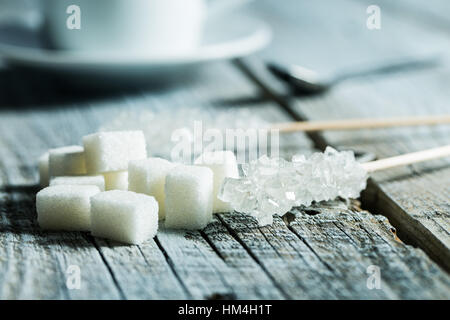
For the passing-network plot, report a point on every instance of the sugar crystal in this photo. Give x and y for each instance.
(273, 185)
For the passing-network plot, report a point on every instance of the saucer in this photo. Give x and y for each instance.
(222, 40)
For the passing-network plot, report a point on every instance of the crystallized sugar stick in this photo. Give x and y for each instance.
(98, 181)
(65, 207)
(111, 151)
(124, 216)
(188, 202)
(44, 176)
(224, 165)
(67, 161)
(274, 186)
(148, 176)
(116, 180)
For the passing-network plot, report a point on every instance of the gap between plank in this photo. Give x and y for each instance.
(211, 244)
(171, 266)
(375, 200)
(113, 276)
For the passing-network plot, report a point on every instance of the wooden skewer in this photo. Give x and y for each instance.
(353, 124)
(408, 158)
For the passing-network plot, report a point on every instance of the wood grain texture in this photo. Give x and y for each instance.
(326, 252)
(141, 272)
(321, 253)
(214, 265)
(353, 241)
(414, 198)
(211, 264)
(35, 263)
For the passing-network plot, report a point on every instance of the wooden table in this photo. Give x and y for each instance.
(328, 251)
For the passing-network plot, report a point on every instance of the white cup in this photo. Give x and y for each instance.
(155, 26)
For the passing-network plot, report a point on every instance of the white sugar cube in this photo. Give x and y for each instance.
(224, 165)
(188, 202)
(124, 216)
(66, 161)
(111, 151)
(44, 176)
(65, 207)
(116, 180)
(98, 181)
(148, 176)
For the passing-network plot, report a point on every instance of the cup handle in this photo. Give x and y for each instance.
(219, 7)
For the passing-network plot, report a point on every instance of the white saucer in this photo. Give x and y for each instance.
(230, 37)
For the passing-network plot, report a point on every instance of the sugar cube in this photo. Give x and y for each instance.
(66, 161)
(124, 216)
(224, 165)
(65, 207)
(98, 181)
(148, 176)
(116, 180)
(44, 176)
(188, 201)
(111, 151)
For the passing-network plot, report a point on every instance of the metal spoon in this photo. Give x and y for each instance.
(307, 81)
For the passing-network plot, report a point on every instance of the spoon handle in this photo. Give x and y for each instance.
(389, 67)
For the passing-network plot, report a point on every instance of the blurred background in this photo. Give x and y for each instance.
(326, 37)
(317, 60)
(355, 51)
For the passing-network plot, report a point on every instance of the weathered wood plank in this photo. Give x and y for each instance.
(236, 255)
(415, 198)
(354, 241)
(417, 195)
(322, 259)
(116, 280)
(292, 264)
(211, 273)
(231, 258)
(413, 258)
(141, 272)
(34, 263)
(202, 260)
(146, 271)
(219, 262)
(214, 265)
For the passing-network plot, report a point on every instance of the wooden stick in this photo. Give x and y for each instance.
(408, 158)
(353, 124)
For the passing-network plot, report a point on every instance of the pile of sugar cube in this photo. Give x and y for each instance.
(109, 187)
